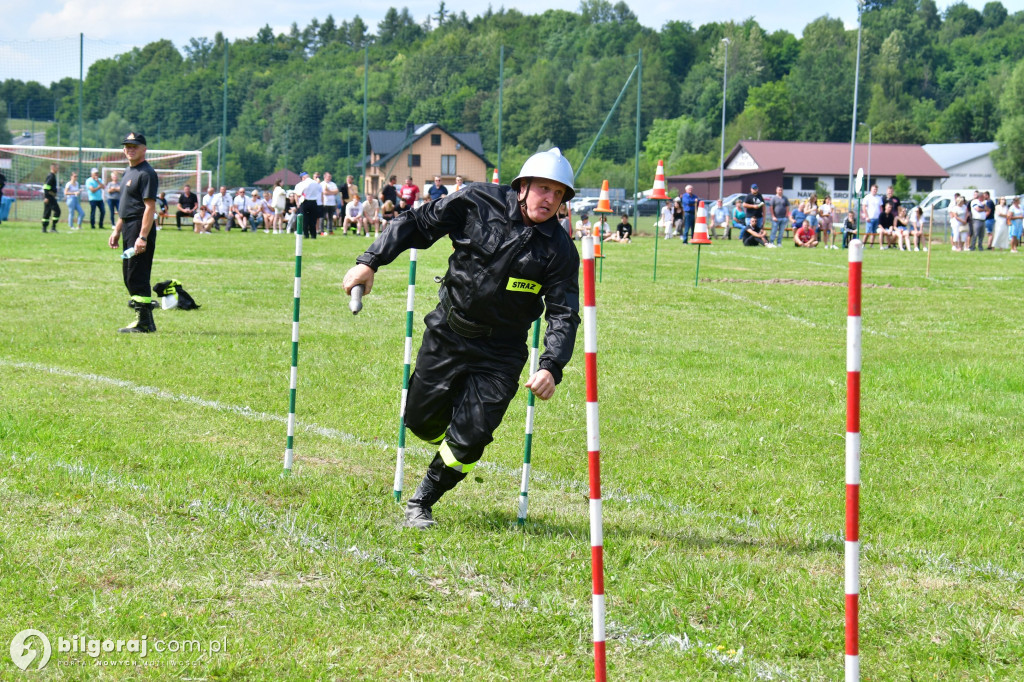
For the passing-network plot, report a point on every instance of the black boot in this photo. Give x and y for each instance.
(44, 226)
(143, 323)
(440, 479)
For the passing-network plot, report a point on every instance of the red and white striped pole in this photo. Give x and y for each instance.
(594, 456)
(853, 329)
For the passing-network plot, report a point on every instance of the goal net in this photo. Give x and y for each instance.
(26, 168)
(171, 180)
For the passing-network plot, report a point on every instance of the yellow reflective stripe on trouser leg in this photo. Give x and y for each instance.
(450, 461)
(437, 440)
(142, 299)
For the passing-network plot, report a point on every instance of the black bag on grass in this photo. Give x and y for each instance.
(173, 295)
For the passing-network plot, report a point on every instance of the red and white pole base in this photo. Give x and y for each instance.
(594, 457)
(853, 350)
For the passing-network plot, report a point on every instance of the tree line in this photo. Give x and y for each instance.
(295, 99)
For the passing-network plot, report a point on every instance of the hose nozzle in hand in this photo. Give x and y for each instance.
(356, 304)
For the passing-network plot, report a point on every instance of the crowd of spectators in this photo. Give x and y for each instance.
(976, 224)
(327, 206)
(982, 224)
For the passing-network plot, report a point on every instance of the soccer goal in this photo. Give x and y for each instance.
(171, 180)
(26, 168)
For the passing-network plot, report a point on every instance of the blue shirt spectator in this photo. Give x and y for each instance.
(437, 191)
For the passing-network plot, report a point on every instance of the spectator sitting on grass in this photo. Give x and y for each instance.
(387, 214)
(623, 232)
(849, 229)
(583, 227)
(267, 207)
(719, 218)
(202, 220)
(291, 216)
(805, 236)
(353, 215)
(238, 211)
(370, 215)
(753, 235)
(255, 208)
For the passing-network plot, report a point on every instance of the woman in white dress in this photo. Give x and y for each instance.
(1001, 232)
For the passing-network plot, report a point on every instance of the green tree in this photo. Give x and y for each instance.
(993, 15)
(661, 138)
(1009, 157)
(960, 20)
(888, 70)
(820, 83)
(901, 186)
(775, 105)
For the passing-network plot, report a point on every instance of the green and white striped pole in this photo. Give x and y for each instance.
(289, 452)
(528, 440)
(410, 299)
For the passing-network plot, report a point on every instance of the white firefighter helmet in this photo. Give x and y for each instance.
(550, 165)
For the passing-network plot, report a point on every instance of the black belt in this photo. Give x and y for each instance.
(459, 324)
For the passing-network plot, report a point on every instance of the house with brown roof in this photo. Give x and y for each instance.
(422, 152)
(799, 166)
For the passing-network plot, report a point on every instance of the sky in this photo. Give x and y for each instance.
(42, 44)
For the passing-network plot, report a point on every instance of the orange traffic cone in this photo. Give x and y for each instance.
(597, 239)
(603, 204)
(700, 231)
(494, 177)
(658, 193)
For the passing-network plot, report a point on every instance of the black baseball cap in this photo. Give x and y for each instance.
(134, 138)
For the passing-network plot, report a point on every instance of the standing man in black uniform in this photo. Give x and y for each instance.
(510, 261)
(50, 204)
(136, 221)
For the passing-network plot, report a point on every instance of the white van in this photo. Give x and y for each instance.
(941, 198)
(938, 203)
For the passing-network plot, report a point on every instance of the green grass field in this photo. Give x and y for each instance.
(143, 490)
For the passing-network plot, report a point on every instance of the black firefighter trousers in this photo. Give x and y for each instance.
(461, 388)
(137, 270)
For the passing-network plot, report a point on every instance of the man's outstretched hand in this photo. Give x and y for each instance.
(359, 274)
(542, 384)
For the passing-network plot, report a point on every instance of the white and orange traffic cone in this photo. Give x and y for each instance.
(658, 193)
(603, 204)
(700, 231)
(494, 177)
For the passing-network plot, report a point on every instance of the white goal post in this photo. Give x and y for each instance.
(25, 168)
(171, 180)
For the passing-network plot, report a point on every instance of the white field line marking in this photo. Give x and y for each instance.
(799, 320)
(827, 265)
(313, 538)
(160, 393)
(940, 562)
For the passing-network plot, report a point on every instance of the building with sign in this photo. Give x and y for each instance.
(969, 166)
(801, 167)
